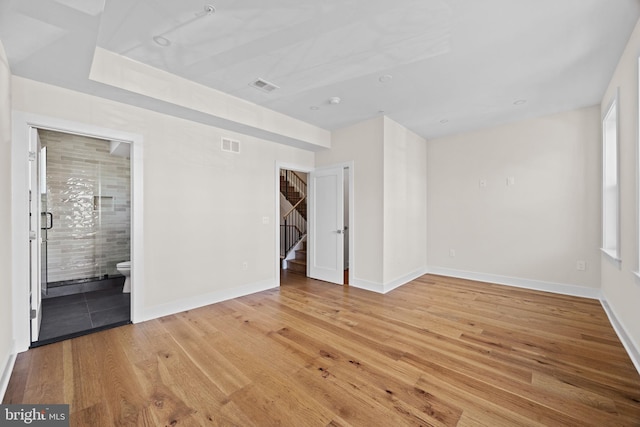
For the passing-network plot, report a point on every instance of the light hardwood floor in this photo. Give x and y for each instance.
(437, 351)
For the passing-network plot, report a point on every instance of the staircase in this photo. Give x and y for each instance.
(293, 226)
(299, 263)
(296, 196)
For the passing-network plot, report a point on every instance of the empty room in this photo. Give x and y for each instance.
(338, 213)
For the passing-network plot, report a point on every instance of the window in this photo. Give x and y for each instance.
(610, 186)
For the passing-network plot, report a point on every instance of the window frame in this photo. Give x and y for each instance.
(611, 213)
(636, 272)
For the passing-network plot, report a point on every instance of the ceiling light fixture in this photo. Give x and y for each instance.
(443, 121)
(334, 100)
(385, 78)
(520, 102)
(314, 108)
(161, 40)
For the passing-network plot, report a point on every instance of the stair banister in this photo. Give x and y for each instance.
(294, 189)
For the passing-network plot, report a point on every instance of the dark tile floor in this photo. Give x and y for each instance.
(71, 315)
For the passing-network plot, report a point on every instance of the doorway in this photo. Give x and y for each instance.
(27, 293)
(84, 186)
(293, 221)
(328, 246)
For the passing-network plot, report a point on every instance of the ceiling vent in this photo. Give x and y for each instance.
(264, 85)
(230, 145)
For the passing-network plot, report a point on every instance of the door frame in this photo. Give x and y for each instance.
(22, 123)
(350, 173)
(35, 227)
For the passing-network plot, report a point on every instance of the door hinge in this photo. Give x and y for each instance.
(32, 156)
(34, 313)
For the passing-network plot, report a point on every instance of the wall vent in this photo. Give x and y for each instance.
(263, 85)
(230, 145)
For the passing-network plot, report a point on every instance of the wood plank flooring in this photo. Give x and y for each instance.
(435, 352)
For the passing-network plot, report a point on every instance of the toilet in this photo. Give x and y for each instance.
(125, 269)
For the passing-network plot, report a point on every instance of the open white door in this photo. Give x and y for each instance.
(326, 225)
(35, 236)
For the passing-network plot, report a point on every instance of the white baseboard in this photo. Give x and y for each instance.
(389, 286)
(383, 288)
(538, 285)
(206, 299)
(366, 285)
(8, 363)
(632, 349)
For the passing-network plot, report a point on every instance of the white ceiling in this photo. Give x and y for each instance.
(455, 65)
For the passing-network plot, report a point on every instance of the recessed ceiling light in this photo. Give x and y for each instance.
(385, 78)
(443, 121)
(520, 102)
(335, 100)
(162, 41)
(314, 107)
(381, 111)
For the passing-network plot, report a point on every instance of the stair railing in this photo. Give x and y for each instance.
(292, 230)
(294, 180)
(294, 224)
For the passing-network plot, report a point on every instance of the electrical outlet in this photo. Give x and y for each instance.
(265, 220)
(482, 183)
(452, 253)
(581, 265)
(511, 181)
(245, 265)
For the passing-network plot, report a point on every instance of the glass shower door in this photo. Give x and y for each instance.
(46, 222)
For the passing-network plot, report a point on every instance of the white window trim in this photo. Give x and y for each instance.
(637, 272)
(613, 255)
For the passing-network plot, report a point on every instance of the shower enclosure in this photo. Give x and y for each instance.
(86, 211)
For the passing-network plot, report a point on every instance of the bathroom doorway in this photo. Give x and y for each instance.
(84, 189)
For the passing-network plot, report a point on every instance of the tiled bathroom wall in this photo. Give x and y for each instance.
(89, 196)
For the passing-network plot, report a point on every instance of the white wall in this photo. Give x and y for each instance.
(203, 208)
(390, 191)
(621, 288)
(362, 144)
(405, 204)
(6, 310)
(534, 231)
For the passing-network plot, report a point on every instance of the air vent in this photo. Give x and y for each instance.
(263, 85)
(230, 145)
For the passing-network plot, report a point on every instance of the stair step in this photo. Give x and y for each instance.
(301, 255)
(297, 266)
